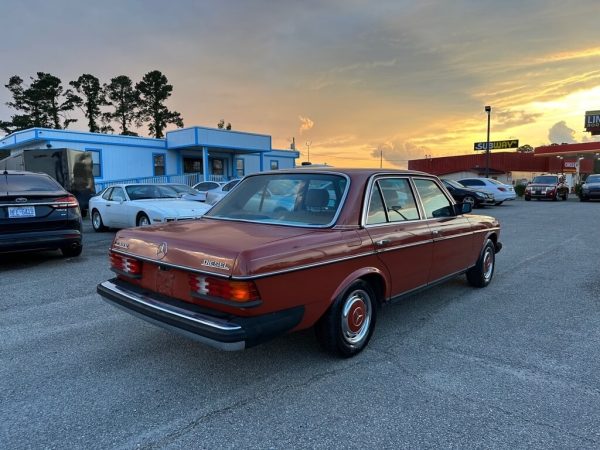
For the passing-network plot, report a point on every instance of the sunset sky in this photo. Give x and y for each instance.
(353, 78)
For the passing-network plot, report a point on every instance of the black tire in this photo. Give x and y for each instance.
(72, 250)
(97, 223)
(555, 198)
(527, 199)
(481, 274)
(347, 326)
(499, 203)
(142, 220)
(583, 199)
(565, 197)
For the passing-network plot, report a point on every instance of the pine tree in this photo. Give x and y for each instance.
(154, 90)
(94, 97)
(125, 99)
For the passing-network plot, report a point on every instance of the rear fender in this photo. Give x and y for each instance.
(364, 273)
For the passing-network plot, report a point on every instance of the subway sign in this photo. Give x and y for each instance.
(497, 145)
(592, 122)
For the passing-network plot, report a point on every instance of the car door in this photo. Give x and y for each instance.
(115, 214)
(453, 239)
(402, 240)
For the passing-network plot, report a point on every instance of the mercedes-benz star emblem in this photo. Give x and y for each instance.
(161, 251)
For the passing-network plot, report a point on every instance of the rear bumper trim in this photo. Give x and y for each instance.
(224, 333)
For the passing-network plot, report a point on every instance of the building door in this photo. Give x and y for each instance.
(217, 166)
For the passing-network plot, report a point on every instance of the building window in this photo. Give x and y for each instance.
(217, 167)
(274, 164)
(192, 165)
(240, 170)
(96, 165)
(159, 164)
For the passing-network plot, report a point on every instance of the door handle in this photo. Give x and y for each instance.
(382, 242)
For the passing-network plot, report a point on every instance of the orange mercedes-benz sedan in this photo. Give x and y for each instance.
(293, 249)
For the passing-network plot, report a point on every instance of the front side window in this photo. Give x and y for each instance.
(307, 199)
(436, 204)
(159, 165)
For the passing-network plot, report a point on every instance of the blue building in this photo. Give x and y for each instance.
(186, 155)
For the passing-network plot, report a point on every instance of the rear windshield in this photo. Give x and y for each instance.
(28, 183)
(307, 199)
(545, 180)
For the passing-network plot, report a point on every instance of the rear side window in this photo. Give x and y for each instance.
(436, 204)
(28, 183)
(472, 182)
(392, 200)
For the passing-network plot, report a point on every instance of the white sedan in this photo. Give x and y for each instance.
(214, 195)
(130, 205)
(501, 192)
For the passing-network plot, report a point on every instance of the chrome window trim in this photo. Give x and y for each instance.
(373, 179)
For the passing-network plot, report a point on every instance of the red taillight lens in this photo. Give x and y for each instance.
(65, 202)
(125, 265)
(237, 291)
(502, 189)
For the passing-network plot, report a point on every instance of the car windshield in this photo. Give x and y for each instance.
(183, 189)
(545, 179)
(148, 191)
(456, 184)
(28, 183)
(593, 179)
(307, 199)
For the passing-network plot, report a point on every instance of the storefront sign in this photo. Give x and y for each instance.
(497, 145)
(592, 122)
(570, 166)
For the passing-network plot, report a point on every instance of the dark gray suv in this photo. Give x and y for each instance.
(36, 213)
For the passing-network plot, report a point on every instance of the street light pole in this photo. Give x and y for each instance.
(488, 110)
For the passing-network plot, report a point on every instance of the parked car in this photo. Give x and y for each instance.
(131, 205)
(590, 190)
(501, 192)
(205, 186)
(551, 187)
(37, 213)
(214, 195)
(467, 195)
(354, 239)
(187, 193)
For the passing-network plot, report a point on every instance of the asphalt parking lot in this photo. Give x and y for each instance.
(515, 365)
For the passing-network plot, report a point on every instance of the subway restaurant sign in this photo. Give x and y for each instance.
(592, 122)
(497, 145)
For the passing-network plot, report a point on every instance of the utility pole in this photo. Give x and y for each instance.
(488, 110)
(380, 158)
(308, 147)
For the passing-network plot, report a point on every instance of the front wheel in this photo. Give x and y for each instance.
(481, 274)
(348, 324)
(142, 220)
(470, 200)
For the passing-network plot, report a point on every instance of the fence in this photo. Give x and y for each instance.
(189, 178)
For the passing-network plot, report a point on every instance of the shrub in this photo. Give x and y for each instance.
(520, 190)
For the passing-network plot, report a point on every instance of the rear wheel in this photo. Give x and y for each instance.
(499, 203)
(527, 199)
(72, 250)
(481, 274)
(348, 324)
(142, 220)
(97, 223)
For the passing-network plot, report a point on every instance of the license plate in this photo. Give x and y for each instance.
(19, 212)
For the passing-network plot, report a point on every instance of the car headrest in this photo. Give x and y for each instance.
(317, 198)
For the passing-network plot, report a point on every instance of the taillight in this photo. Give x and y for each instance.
(125, 265)
(502, 189)
(236, 291)
(65, 202)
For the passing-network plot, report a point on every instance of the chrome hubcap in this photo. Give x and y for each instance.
(488, 263)
(356, 317)
(469, 200)
(144, 221)
(96, 220)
